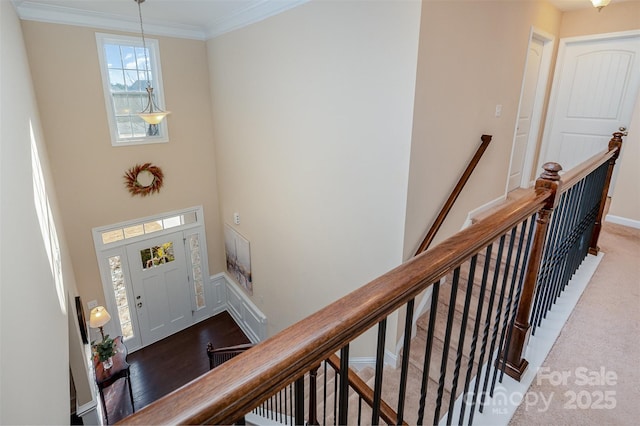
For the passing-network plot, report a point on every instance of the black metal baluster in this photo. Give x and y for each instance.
(476, 328)
(299, 401)
(324, 399)
(463, 329)
(377, 387)
(279, 407)
(428, 348)
(343, 409)
(285, 412)
(447, 343)
(406, 348)
(485, 332)
(335, 398)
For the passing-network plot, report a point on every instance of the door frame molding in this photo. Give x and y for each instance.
(118, 248)
(553, 97)
(548, 42)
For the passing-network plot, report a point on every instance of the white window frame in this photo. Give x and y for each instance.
(158, 88)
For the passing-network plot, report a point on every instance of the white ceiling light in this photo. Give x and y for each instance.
(600, 3)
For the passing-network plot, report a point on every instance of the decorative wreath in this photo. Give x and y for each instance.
(143, 179)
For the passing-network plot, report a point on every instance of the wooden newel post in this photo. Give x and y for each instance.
(515, 362)
(614, 144)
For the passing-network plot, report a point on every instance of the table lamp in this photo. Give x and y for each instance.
(98, 318)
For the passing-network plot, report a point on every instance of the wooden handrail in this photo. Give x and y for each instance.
(229, 349)
(576, 174)
(387, 414)
(236, 387)
(228, 392)
(426, 242)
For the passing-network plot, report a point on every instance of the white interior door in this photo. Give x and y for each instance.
(594, 92)
(162, 300)
(526, 112)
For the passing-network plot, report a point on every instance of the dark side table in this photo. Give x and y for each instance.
(119, 370)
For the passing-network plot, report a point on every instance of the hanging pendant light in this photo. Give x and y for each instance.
(152, 114)
(600, 3)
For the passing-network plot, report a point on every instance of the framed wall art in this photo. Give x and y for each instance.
(238, 255)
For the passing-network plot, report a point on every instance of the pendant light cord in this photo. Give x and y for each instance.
(144, 43)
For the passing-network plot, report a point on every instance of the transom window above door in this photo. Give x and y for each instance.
(126, 70)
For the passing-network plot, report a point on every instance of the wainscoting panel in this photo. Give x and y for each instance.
(218, 293)
(228, 296)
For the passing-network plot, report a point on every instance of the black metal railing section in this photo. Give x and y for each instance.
(467, 327)
(568, 238)
(485, 283)
(217, 356)
(320, 398)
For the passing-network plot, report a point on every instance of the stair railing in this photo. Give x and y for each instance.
(218, 356)
(446, 208)
(567, 230)
(227, 393)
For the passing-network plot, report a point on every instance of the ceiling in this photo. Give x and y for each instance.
(197, 19)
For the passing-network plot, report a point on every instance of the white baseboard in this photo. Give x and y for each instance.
(623, 221)
(358, 363)
(476, 212)
(230, 297)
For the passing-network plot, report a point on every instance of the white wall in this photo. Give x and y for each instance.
(472, 57)
(312, 114)
(34, 360)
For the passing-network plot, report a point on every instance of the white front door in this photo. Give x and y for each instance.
(162, 297)
(594, 93)
(526, 112)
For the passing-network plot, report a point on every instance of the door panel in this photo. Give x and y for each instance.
(595, 92)
(160, 286)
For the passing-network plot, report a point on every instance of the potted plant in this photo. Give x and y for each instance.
(104, 351)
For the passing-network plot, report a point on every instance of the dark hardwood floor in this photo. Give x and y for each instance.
(164, 366)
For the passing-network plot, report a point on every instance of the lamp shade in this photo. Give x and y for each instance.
(153, 118)
(600, 3)
(99, 317)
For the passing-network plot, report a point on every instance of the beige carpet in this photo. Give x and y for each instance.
(592, 374)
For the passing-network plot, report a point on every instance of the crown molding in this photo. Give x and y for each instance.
(250, 15)
(31, 11)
